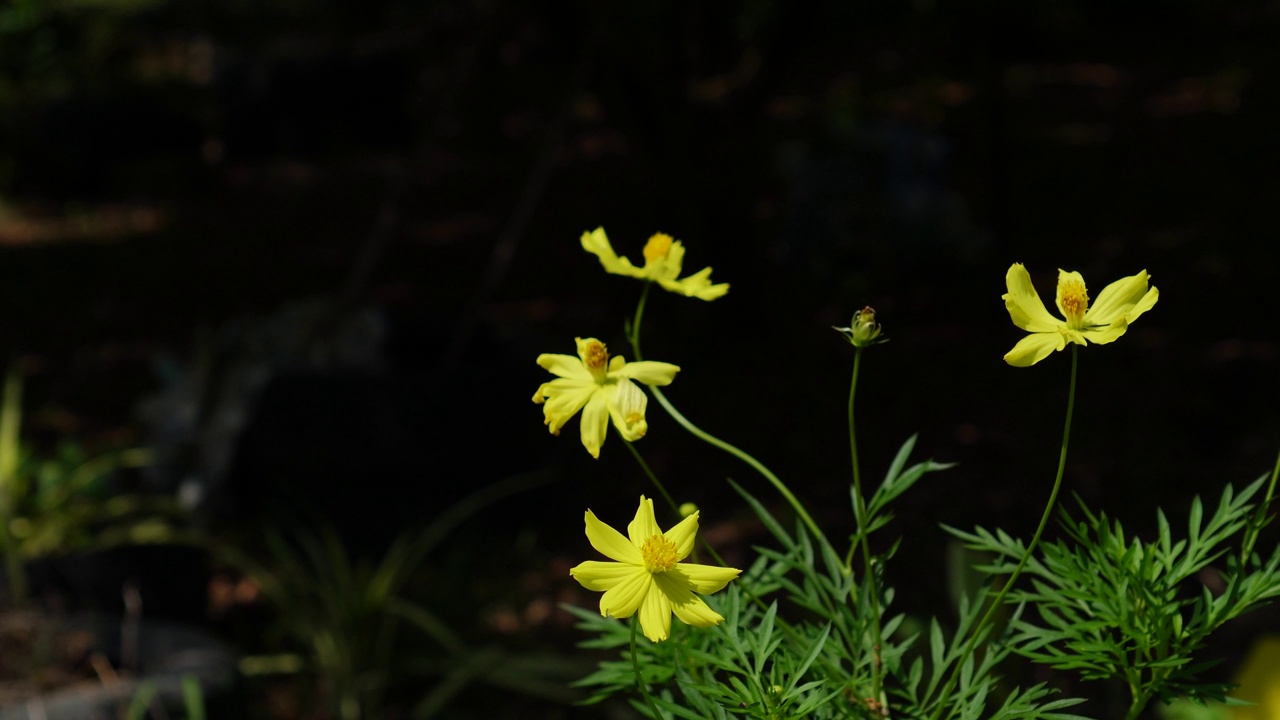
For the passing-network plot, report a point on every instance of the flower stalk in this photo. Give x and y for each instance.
(633, 335)
(1031, 548)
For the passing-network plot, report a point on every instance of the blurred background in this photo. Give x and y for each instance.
(275, 274)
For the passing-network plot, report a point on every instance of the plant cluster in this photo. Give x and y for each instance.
(809, 629)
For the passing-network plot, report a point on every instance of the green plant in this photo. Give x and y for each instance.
(347, 618)
(809, 632)
(65, 502)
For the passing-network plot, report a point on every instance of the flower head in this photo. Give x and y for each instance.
(647, 574)
(863, 330)
(1119, 304)
(602, 388)
(663, 261)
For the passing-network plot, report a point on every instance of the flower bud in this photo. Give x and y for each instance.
(864, 330)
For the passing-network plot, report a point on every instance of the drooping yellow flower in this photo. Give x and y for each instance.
(647, 574)
(1119, 304)
(663, 260)
(601, 388)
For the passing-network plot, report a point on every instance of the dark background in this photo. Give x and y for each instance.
(365, 217)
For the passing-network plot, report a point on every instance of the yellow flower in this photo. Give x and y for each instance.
(601, 388)
(648, 575)
(1119, 304)
(663, 260)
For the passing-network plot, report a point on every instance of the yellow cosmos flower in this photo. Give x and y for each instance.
(663, 260)
(647, 574)
(1119, 304)
(601, 388)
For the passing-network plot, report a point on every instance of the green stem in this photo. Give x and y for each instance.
(1259, 518)
(860, 507)
(1026, 556)
(652, 477)
(10, 424)
(635, 666)
(1139, 704)
(633, 335)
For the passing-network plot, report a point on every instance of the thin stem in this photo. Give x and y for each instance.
(652, 477)
(1259, 518)
(860, 507)
(10, 424)
(760, 603)
(748, 459)
(1026, 556)
(633, 336)
(635, 666)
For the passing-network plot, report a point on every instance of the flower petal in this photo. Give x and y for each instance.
(623, 599)
(1143, 305)
(697, 285)
(1106, 334)
(655, 615)
(644, 525)
(1024, 305)
(597, 243)
(595, 421)
(1117, 299)
(688, 607)
(682, 535)
(705, 579)
(611, 543)
(1034, 348)
(565, 366)
(601, 576)
(670, 266)
(648, 372)
(564, 397)
(627, 410)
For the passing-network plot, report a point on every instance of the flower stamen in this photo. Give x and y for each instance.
(659, 554)
(1074, 299)
(658, 247)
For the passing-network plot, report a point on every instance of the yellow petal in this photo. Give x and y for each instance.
(1117, 299)
(623, 599)
(597, 243)
(705, 579)
(1143, 305)
(1034, 348)
(655, 615)
(648, 372)
(595, 421)
(644, 525)
(601, 576)
(682, 535)
(564, 398)
(698, 286)
(627, 410)
(1024, 305)
(565, 366)
(611, 543)
(688, 607)
(1104, 335)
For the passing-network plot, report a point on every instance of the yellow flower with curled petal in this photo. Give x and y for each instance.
(601, 388)
(663, 261)
(647, 575)
(1119, 304)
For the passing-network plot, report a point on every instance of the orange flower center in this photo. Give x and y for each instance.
(659, 554)
(596, 356)
(1075, 301)
(657, 248)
